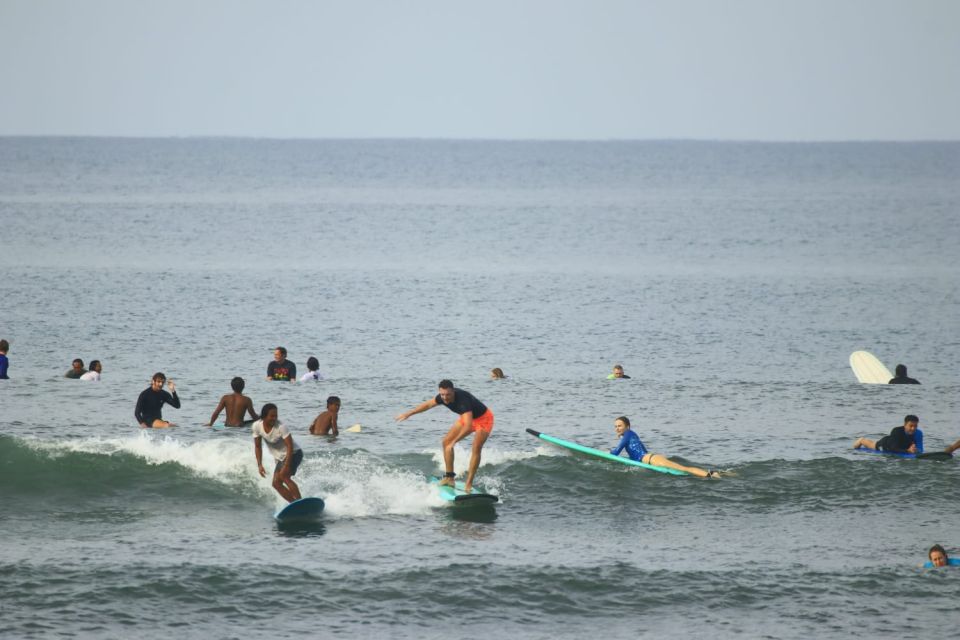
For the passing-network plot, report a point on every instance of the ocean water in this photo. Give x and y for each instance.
(731, 280)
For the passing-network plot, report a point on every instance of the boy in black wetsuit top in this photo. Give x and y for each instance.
(905, 439)
(148, 412)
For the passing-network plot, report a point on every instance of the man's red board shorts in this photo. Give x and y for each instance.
(483, 423)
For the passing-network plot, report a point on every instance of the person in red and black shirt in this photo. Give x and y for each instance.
(281, 368)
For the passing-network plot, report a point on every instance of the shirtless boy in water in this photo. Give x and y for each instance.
(326, 422)
(236, 405)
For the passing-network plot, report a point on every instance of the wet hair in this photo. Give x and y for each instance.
(313, 364)
(625, 419)
(282, 350)
(267, 408)
(333, 400)
(76, 360)
(911, 418)
(901, 370)
(618, 366)
(939, 548)
(94, 364)
(237, 384)
(159, 374)
(4, 346)
(497, 372)
(445, 384)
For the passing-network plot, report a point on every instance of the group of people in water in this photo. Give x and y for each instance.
(474, 418)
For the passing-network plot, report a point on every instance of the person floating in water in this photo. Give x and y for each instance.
(313, 370)
(938, 558)
(474, 418)
(4, 362)
(326, 422)
(497, 374)
(636, 451)
(76, 370)
(617, 373)
(149, 404)
(236, 404)
(94, 373)
(905, 439)
(280, 368)
(284, 450)
(902, 378)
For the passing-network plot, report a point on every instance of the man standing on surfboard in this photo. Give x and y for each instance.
(474, 418)
(287, 453)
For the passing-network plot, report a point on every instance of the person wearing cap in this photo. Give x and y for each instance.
(280, 368)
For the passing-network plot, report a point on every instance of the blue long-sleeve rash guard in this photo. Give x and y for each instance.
(631, 442)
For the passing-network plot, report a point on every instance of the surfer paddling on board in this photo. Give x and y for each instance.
(236, 404)
(148, 411)
(905, 439)
(284, 450)
(475, 418)
(902, 377)
(630, 441)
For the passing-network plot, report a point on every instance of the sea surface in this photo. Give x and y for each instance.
(731, 280)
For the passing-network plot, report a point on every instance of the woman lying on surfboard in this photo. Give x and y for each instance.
(630, 441)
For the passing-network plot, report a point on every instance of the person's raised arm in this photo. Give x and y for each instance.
(174, 399)
(420, 408)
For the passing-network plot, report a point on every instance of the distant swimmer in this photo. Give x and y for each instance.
(326, 422)
(905, 439)
(938, 558)
(76, 370)
(236, 404)
(313, 370)
(902, 378)
(95, 370)
(617, 373)
(149, 404)
(280, 368)
(497, 374)
(636, 451)
(474, 418)
(4, 362)
(284, 450)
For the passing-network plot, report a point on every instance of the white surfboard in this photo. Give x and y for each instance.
(868, 369)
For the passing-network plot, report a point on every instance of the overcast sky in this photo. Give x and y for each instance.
(554, 69)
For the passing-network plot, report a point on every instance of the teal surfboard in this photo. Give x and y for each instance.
(605, 455)
(460, 497)
(302, 510)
